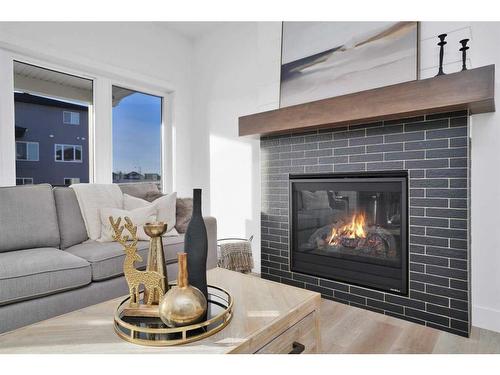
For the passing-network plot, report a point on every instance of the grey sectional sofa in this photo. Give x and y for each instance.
(48, 266)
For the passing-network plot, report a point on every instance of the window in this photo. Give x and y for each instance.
(71, 180)
(68, 153)
(71, 118)
(24, 180)
(41, 107)
(137, 136)
(27, 151)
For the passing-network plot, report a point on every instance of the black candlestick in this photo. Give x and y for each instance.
(464, 49)
(441, 53)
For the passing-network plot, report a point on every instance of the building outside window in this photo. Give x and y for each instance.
(152, 177)
(27, 151)
(68, 153)
(24, 181)
(51, 125)
(71, 118)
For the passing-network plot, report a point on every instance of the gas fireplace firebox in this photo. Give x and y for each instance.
(351, 228)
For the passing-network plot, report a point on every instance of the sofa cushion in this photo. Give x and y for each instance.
(32, 273)
(71, 225)
(106, 258)
(28, 218)
(172, 246)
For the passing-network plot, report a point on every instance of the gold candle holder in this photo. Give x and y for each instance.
(156, 261)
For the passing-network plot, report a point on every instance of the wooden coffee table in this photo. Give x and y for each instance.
(268, 318)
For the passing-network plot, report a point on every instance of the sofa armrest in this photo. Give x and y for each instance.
(211, 225)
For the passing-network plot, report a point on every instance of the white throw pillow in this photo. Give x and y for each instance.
(164, 206)
(93, 197)
(139, 217)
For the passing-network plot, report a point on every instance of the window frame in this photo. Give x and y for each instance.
(24, 178)
(27, 153)
(167, 133)
(71, 113)
(71, 178)
(63, 145)
(104, 76)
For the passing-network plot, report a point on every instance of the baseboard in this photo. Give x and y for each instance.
(486, 318)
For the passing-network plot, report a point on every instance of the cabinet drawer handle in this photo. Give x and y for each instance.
(297, 348)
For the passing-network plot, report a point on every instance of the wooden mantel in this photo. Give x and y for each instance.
(471, 89)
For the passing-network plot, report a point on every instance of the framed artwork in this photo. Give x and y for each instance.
(325, 59)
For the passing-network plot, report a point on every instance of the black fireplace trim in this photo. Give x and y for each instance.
(374, 174)
(362, 175)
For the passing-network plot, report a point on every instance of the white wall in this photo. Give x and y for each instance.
(237, 72)
(486, 190)
(144, 53)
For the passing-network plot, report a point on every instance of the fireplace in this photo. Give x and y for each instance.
(432, 151)
(351, 227)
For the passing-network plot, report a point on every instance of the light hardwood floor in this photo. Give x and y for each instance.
(347, 329)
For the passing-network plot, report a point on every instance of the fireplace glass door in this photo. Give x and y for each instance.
(351, 228)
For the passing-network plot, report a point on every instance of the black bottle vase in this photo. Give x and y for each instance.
(196, 247)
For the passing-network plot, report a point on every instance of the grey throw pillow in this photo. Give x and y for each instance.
(184, 211)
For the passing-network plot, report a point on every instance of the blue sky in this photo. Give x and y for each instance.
(137, 134)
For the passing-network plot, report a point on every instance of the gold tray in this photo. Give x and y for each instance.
(151, 331)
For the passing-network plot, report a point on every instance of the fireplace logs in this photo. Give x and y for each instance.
(355, 236)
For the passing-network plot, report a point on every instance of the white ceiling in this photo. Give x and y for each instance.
(191, 30)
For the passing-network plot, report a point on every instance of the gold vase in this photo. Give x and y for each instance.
(182, 304)
(156, 260)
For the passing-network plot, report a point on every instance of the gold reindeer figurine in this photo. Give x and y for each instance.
(152, 281)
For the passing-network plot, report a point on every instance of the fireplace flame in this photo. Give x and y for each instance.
(355, 229)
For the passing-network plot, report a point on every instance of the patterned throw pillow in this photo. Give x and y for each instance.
(139, 217)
